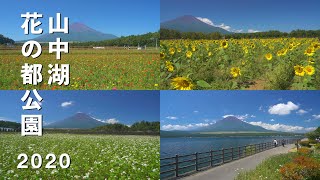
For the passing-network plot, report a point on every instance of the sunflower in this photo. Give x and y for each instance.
(188, 54)
(311, 60)
(162, 55)
(179, 50)
(235, 72)
(282, 52)
(224, 44)
(309, 70)
(172, 51)
(309, 51)
(182, 83)
(268, 56)
(169, 66)
(209, 53)
(193, 48)
(299, 70)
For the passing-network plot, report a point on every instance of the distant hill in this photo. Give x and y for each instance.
(191, 24)
(229, 126)
(9, 124)
(148, 39)
(77, 121)
(232, 124)
(78, 32)
(5, 40)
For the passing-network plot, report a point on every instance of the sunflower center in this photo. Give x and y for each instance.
(185, 83)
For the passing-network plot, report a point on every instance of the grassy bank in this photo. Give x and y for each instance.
(303, 164)
(268, 169)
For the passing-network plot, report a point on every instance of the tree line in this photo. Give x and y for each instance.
(5, 40)
(314, 134)
(148, 39)
(138, 128)
(143, 126)
(173, 34)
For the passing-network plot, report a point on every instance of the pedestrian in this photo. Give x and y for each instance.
(282, 142)
(275, 142)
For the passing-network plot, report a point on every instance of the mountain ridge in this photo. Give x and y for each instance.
(78, 32)
(189, 23)
(77, 121)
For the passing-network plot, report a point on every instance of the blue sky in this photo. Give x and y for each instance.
(118, 17)
(294, 111)
(125, 107)
(248, 15)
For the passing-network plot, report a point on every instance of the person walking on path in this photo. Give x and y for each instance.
(275, 142)
(282, 142)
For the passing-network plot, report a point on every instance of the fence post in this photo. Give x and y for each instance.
(232, 154)
(177, 165)
(196, 161)
(297, 145)
(255, 148)
(222, 156)
(211, 158)
(239, 152)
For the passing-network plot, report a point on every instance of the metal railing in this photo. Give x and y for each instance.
(183, 165)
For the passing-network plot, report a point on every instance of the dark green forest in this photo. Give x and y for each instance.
(8, 124)
(5, 40)
(314, 134)
(138, 128)
(172, 34)
(148, 39)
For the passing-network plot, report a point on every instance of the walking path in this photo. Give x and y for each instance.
(230, 170)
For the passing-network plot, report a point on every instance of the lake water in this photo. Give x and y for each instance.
(172, 146)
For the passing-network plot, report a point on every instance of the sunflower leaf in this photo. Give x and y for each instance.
(203, 84)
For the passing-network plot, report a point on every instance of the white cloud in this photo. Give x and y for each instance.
(172, 117)
(309, 120)
(283, 109)
(316, 116)
(241, 117)
(282, 127)
(108, 121)
(260, 108)
(301, 112)
(225, 27)
(171, 127)
(272, 120)
(253, 31)
(66, 104)
(112, 121)
(222, 25)
(238, 31)
(206, 20)
(196, 111)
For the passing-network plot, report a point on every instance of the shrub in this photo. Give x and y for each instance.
(305, 143)
(250, 149)
(301, 167)
(304, 151)
(317, 146)
(312, 141)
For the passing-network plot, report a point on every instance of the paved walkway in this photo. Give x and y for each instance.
(230, 170)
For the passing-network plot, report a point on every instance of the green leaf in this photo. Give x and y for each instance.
(177, 65)
(203, 84)
(234, 85)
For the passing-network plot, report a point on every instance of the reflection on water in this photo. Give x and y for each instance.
(172, 146)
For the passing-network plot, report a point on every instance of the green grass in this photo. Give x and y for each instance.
(269, 169)
(92, 156)
(111, 68)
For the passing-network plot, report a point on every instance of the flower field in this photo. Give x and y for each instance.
(92, 156)
(111, 68)
(280, 64)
